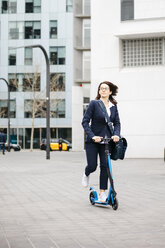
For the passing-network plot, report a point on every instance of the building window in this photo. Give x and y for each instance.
(39, 108)
(87, 7)
(31, 82)
(12, 6)
(4, 109)
(9, 6)
(33, 6)
(13, 82)
(53, 29)
(57, 82)
(57, 55)
(33, 30)
(24, 82)
(28, 108)
(29, 6)
(57, 108)
(86, 33)
(86, 65)
(13, 31)
(4, 7)
(12, 57)
(28, 60)
(16, 30)
(127, 10)
(65, 133)
(142, 52)
(69, 5)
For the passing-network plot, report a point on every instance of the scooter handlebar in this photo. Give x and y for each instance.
(105, 140)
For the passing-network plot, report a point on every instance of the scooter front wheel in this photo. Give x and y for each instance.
(115, 205)
(91, 197)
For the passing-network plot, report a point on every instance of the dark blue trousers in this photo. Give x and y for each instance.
(92, 152)
(2, 146)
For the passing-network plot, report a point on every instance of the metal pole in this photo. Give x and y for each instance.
(47, 103)
(47, 100)
(8, 104)
(8, 137)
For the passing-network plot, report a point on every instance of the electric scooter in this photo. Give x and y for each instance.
(111, 199)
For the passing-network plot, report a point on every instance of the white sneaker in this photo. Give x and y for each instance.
(85, 180)
(102, 197)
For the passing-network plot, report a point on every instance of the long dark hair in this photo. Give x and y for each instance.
(112, 88)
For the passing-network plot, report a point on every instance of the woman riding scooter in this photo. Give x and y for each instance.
(97, 130)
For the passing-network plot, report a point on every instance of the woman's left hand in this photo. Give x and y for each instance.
(115, 138)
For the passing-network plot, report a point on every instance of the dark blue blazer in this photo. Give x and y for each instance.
(94, 122)
(2, 138)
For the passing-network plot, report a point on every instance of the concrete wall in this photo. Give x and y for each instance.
(141, 97)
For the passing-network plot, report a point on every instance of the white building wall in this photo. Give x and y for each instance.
(77, 103)
(149, 8)
(141, 97)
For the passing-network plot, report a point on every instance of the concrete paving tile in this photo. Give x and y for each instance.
(3, 242)
(44, 200)
(66, 243)
(42, 242)
(19, 242)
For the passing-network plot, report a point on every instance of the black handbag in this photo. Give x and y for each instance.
(117, 149)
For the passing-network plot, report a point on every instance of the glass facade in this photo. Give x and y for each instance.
(32, 6)
(16, 30)
(28, 56)
(24, 82)
(86, 7)
(20, 67)
(86, 33)
(12, 56)
(14, 82)
(57, 108)
(86, 65)
(53, 30)
(32, 30)
(127, 10)
(8, 7)
(4, 109)
(57, 55)
(57, 81)
(65, 133)
(24, 30)
(22, 136)
(69, 5)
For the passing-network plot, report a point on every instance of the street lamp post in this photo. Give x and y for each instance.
(47, 96)
(8, 104)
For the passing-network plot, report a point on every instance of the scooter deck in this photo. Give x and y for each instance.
(101, 203)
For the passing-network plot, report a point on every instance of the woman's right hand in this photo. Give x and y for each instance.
(97, 139)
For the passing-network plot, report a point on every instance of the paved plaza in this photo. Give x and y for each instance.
(43, 205)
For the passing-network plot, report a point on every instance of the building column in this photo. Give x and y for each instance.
(77, 115)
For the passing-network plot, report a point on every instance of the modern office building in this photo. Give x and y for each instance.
(81, 73)
(128, 48)
(50, 24)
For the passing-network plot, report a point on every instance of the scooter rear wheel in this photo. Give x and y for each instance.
(116, 204)
(91, 195)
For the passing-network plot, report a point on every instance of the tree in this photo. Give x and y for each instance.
(35, 107)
